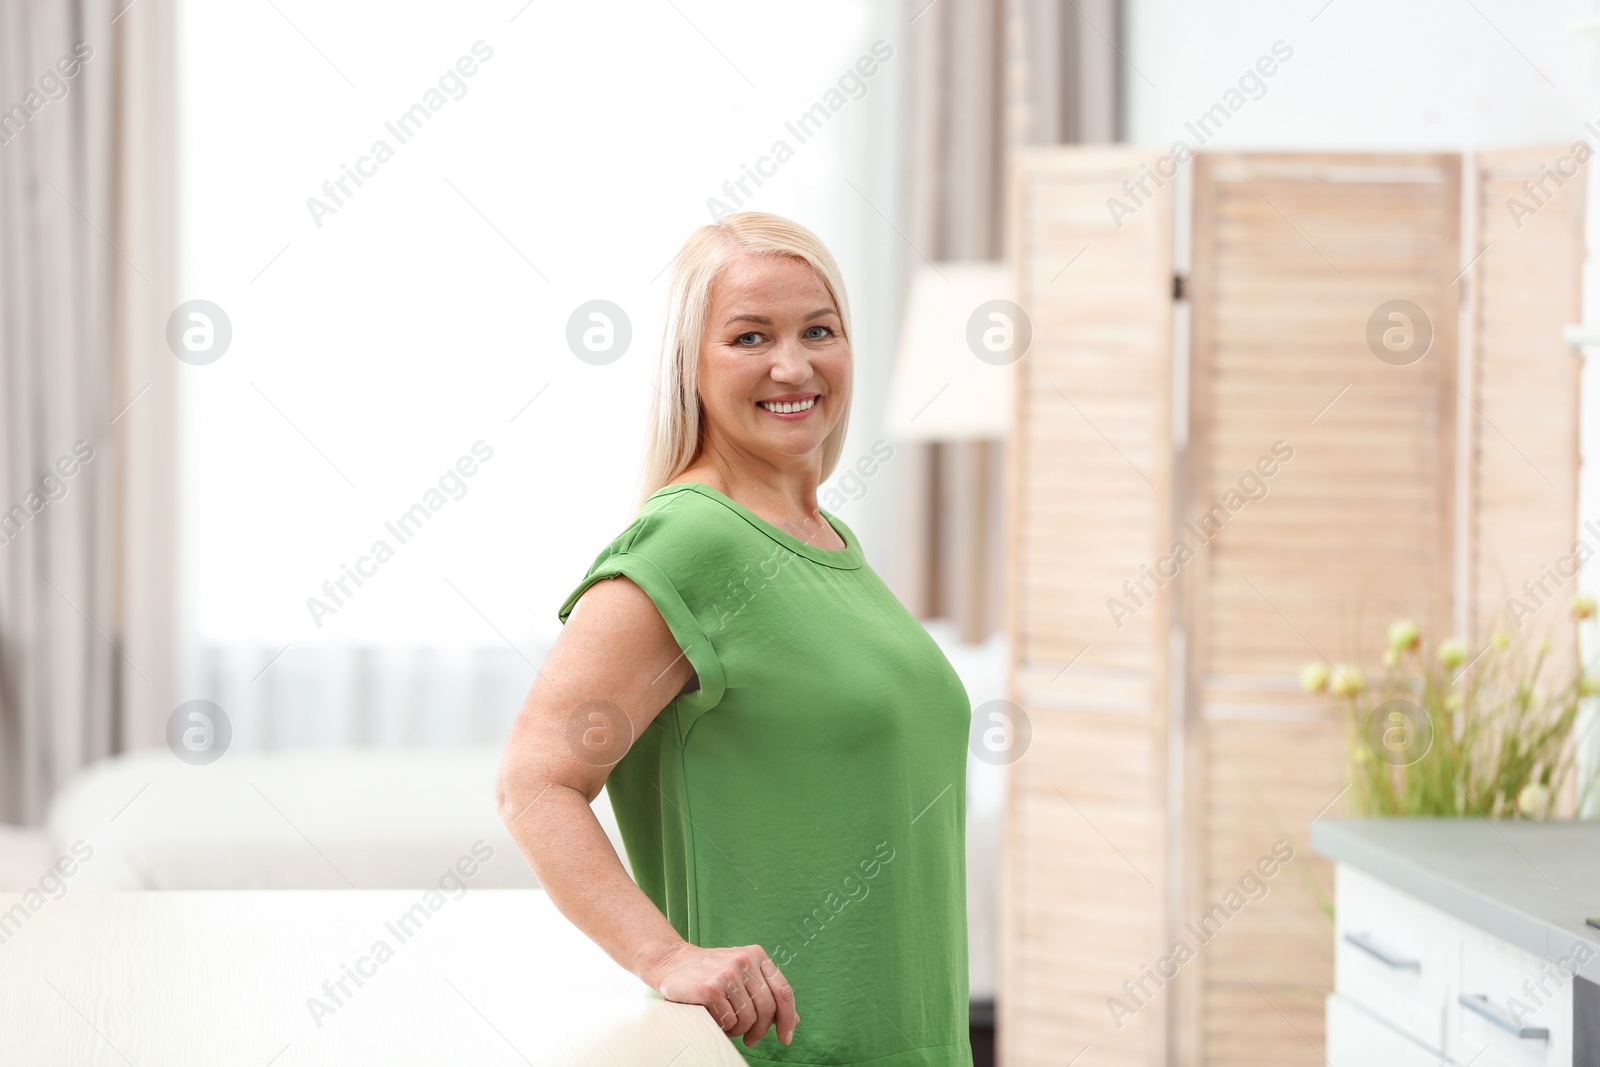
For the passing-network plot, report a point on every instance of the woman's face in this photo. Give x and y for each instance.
(772, 333)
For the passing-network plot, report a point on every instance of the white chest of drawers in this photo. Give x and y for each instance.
(1453, 949)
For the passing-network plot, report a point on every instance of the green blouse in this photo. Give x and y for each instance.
(809, 796)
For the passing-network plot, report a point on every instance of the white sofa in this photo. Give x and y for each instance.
(320, 819)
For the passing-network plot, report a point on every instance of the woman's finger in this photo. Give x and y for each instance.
(761, 997)
(783, 997)
(740, 1000)
(722, 1011)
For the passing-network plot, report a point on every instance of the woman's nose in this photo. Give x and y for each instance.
(790, 362)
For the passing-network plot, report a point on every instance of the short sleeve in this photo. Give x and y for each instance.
(669, 601)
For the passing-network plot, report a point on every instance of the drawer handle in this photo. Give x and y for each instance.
(1480, 1005)
(1365, 943)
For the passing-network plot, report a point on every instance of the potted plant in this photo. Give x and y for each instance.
(1463, 731)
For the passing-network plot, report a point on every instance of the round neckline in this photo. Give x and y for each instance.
(846, 558)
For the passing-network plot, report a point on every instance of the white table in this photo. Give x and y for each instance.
(216, 977)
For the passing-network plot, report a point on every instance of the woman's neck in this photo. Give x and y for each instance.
(788, 502)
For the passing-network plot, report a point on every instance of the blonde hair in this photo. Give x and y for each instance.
(674, 427)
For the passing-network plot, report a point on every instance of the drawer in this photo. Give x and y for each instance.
(1359, 1039)
(1514, 1008)
(1394, 956)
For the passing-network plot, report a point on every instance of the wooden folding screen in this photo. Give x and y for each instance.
(1522, 435)
(1325, 387)
(1082, 896)
(1292, 257)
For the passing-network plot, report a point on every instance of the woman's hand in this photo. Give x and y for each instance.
(741, 987)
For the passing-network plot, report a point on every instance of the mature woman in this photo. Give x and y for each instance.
(783, 744)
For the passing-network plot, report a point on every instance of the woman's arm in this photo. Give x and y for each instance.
(612, 669)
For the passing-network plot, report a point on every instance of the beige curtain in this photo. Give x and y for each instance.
(86, 389)
(987, 75)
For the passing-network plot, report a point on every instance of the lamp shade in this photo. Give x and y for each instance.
(960, 339)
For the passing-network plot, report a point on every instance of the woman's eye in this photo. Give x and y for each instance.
(747, 338)
(825, 332)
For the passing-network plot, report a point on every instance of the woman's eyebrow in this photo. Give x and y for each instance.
(745, 316)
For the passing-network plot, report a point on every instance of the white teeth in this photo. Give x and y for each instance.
(784, 409)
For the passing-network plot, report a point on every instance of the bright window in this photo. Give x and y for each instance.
(399, 207)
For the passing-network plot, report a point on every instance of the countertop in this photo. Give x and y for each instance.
(1529, 883)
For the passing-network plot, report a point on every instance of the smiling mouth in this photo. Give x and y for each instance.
(789, 407)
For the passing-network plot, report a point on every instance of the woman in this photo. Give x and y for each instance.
(784, 746)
